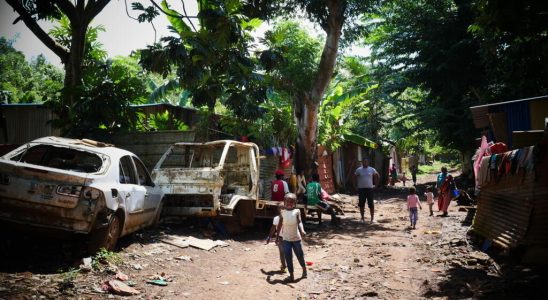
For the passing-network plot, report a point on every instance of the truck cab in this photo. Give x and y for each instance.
(209, 179)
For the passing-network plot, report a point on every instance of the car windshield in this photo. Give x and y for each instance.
(62, 158)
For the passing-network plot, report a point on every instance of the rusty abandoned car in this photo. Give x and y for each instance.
(78, 186)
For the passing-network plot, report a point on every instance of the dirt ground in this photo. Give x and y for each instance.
(382, 260)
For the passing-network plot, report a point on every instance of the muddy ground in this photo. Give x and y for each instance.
(382, 260)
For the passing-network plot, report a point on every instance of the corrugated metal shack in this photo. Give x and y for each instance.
(24, 122)
(512, 206)
(512, 210)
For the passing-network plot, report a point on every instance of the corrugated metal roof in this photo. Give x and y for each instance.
(480, 112)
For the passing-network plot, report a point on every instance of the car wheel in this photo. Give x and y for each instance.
(245, 213)
(106, 237)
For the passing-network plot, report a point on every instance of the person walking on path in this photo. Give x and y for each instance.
(414, 171)
(393, 175)
(367, 179)
(429, 199)
(413, 205)
(440, 180)
(446, 193)
(291, 233)
(279, 187)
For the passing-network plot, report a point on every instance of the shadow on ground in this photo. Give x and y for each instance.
(516, 282)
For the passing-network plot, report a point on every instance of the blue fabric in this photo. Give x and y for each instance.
(289, 248)
(518, 117)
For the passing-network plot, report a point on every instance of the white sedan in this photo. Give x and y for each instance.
(79, 186)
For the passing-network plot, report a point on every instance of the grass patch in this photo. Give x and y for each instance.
(105, 257)
(68, 278)
(435, 167)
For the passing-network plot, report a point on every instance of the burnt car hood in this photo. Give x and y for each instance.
(31, 183)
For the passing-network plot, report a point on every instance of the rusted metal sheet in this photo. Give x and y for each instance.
(538, 228)
(26, 122)
(150, 146)
(325, 170)
(513, 211)
(269, 164)
(503, 212)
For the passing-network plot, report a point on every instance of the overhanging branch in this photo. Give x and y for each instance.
(59, 50)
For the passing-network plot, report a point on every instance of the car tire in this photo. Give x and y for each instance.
(245, 213)
(106, 237)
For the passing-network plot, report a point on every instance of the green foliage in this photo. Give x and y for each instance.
(426, 46)
(105, 257)
(24, 82)
(93, 50)
(514, 44)
(109, 89)
(292, 58)
(68, 279)
(212, 62)
(316, 11)
(338, 112)
(164, 121)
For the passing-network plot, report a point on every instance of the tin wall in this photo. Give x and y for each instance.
(26, 122)
(513, 211)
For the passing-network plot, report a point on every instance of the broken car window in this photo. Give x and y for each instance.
(144, 177)
(61, 158)
(127, 171)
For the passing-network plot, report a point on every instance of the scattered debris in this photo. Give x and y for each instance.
(205, 244)
(175, 241)
(160, 282)
(121, 276)
(185, 258)
(119, 288)
(86, 264)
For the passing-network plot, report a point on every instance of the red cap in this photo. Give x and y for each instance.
(279, 172)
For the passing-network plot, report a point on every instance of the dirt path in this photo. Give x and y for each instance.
(383, 260)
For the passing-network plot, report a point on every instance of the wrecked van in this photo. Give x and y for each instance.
(209, 179)
(78, 186)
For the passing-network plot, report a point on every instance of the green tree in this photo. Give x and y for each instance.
(427, 45)
(25, 82)
(513, 36)
(212, 61)
(80, 13)
(334, 17)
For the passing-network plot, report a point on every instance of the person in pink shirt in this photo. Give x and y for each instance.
(413, 205)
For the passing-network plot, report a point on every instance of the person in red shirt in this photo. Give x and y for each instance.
(279, 187)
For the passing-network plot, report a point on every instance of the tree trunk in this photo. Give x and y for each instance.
(306, 118)
(73, 66)
(307, 104)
